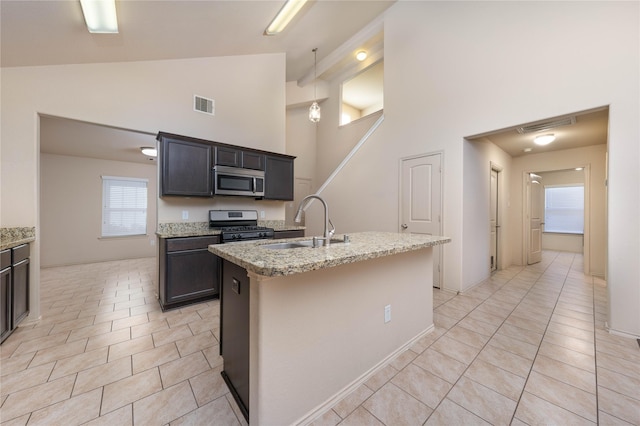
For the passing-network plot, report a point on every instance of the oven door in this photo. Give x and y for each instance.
(235, 181)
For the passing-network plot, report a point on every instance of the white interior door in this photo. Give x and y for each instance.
(535, 214)
(421, 201)
(493, 220)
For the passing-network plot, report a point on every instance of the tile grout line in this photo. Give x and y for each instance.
(494, 333)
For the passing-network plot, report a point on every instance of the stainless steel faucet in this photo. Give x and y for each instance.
(327, 233)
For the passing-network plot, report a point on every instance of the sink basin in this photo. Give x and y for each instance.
(298, 244)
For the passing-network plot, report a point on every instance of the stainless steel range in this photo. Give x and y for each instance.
(238, 225)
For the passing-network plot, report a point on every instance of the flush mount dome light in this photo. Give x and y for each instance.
(149, 151)
(544, 139)
(361, 55)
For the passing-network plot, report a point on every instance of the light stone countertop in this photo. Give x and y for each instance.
(13, 237)
(362, 246)
(201, 229)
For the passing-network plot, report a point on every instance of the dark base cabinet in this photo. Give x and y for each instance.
(234, 332)
(5, 295)
(14, 292)
(294, 233)
(189, 273)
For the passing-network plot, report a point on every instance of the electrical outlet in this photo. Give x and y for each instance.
(261, 214)
(185, 214)
(387, 314)
(152, 241)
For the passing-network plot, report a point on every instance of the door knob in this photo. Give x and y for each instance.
(404, 226)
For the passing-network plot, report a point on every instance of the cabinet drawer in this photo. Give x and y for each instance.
(5, 259)
(191, 243)
(294, 233)
(20, 253)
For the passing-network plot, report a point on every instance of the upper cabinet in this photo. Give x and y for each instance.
(236, 157)
(278, 183)
(186, 167)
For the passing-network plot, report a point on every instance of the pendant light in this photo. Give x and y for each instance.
(314, 109)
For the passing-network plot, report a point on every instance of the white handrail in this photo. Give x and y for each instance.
(346, 159)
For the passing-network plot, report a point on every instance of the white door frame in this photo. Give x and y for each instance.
(586, 255)
(437, 247)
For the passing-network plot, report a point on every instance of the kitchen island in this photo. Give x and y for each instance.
(302, 327)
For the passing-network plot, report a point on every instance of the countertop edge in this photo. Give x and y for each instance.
(316, 264)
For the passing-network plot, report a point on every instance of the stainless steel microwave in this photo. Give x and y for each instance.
(237, 181)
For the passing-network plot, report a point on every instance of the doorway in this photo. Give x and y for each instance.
(534, 217)
(421, 201)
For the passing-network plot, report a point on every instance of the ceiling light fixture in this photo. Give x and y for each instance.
(361, 55)
(544, 139)
(149, 151)
(284, 16)
(314, 109)
(100, 16)
(527, 149)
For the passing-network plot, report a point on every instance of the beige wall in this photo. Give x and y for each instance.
(144, 96)
(456, 69)
(71, 206)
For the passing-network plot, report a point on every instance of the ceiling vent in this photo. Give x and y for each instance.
(546, 125)
(202, 104)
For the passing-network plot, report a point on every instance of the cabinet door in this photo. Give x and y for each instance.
(294, 233)
(252, 160)
(278, 178)
(228, 156)
(5, 303)
(186, 168)
(234, 331)
(20, 291)
(191, 274)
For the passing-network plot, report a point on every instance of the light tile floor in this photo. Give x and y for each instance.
(528, 346)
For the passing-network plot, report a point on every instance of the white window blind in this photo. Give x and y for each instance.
(124, 206)
(564, 209)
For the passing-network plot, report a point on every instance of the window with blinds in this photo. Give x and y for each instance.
(564, 209)
(124, 206)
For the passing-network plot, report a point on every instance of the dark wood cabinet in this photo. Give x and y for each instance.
(20, 278)
(235, 157)
(278, 178)
(294, 233)
(234, 332)
(14, 288)
(189, 273)
(5, 294)
(186, 167)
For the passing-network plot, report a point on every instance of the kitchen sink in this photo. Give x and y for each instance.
(299, 244)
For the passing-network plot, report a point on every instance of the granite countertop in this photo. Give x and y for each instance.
(200, 229)
(13, 237)
(362, 246)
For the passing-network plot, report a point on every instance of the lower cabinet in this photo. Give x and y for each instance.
(189, 273)
(5, 294)
(14, 283)
(294, 233)
(234, 332)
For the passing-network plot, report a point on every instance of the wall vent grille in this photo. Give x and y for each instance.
(546, 125)
(202, 104)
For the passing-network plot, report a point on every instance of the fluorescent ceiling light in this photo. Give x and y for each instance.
(544, 139)
(286, 14)
(100, 15)
(149, 151)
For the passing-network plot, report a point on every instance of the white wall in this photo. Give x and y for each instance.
(455, 69)
(479, 158)
(593, 156)
(71, 202)
(145, 96)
